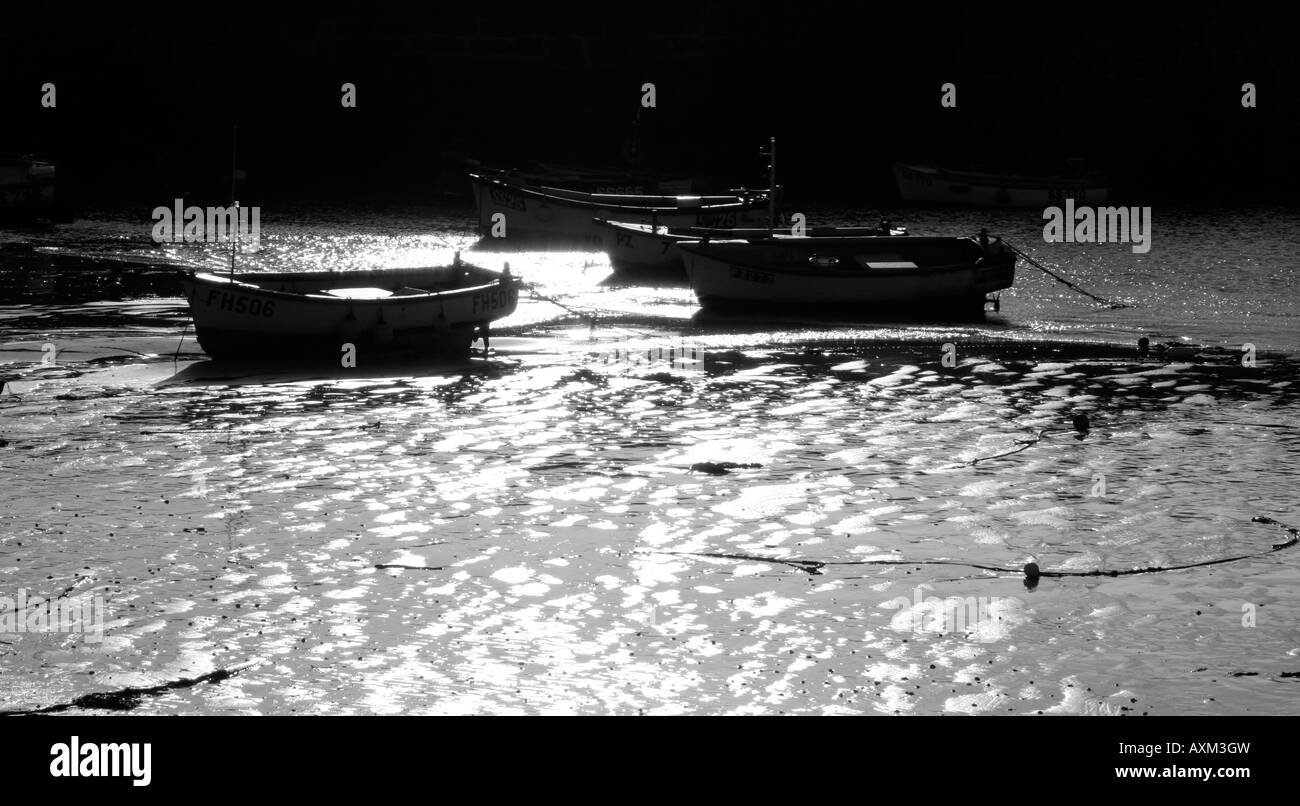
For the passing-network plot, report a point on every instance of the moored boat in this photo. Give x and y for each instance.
(919, 275)
(554, 217)
(308, 316)
(933, 184)
(589, 180)
(651, 248)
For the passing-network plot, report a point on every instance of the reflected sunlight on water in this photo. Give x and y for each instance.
(563, 529)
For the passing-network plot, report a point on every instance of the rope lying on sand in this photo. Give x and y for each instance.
(177, 354)
(532, 290)
(1286, 544)
(1024, 444)
(814, 567)
(1080, 431)
(588, 315)
(1061, 279)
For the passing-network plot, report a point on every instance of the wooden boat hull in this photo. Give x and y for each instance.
(930, 185)
(649, 249)
(883, 273)
(286, 317)
(641, 248)
(557, 218)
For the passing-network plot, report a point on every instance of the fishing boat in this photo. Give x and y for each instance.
(651, 248)
(931, 184)
(917, 275)
(586, 179)
(640, 248)
(306, 316)
(554, 217)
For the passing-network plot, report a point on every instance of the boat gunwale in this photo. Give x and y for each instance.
(868, 273)
(202, 278)
(856, 272)
(593, 200)
(683, 235)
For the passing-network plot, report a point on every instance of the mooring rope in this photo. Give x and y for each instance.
(1061, 279)
(588, 315)
(176, 354)
(1031, 571)
(1024, 445)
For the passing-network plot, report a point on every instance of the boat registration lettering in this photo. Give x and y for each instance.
(496, 299)
(717, 220)
(240, 303)
(506, 199)
(752, 276)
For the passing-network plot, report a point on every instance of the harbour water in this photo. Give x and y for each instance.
(552, 529)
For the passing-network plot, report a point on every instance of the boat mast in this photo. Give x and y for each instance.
(234, 242)
(771, 186)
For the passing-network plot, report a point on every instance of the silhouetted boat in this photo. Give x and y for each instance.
(937, 185)
(27, 191)
(566, 218)
(881, 273)
(587, 180)
(651, 249)
(307, 316)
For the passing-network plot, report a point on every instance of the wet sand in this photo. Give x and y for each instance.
(526, 534)
(822, 517)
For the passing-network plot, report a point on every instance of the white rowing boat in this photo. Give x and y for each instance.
(306, 316)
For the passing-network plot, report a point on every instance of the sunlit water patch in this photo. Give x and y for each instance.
(820, 516)
(531, 535)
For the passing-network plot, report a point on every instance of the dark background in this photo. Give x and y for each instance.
(147, 99)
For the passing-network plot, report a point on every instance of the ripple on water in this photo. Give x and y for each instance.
(523, 525)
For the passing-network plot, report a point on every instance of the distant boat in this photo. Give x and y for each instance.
(307, 316)
(883, 274)
(27, 191)
(933, 184)
(554, 217)
(651, 249)
(588, 180)
(640, 248)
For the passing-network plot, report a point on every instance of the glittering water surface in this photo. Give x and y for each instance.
(541, 531)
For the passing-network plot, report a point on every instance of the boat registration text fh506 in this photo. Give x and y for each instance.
(497, 298)
(241, 303)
